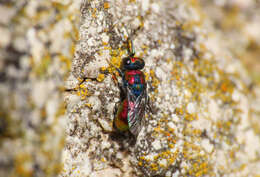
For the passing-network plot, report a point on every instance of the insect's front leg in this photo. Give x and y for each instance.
(118, 70)
(121, 74)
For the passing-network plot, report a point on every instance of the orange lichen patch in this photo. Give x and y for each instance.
(196, 132)
(80, 80)
(65, 60)
(71, 17)
(72, 49)
(154, 81)
(116, 61)
(168, 60)
(256, 127)
(88, 105)
(146, 75)
(104, 43)
(106, 5)
(190, 117)
(82, 91)
(61, 111)
(116, 58)
(154, 166)
(232, 19)
(94, 12)
(224, 126)
(40, 15)
(103, 159)
(100, 53)
(179, 111)
(224, 87)
(54, 168)
(176, 71)
(144, 49)
(100, 77)
(232, 154)
(67, 35)
(23, 165)
(40, 69)
(103, 69)
(171, 146)
(194, 3)
(199, 169)
(142, 158)
(171, 130)
(197, 7)
(188, 26)
(59, 6)
(227, 86)
(190, 148)
(152, 73)
(75, 33)
(141, 19)
(204, 67)
(157, 129)
(43, 113)
(199, 163)
(219, 124)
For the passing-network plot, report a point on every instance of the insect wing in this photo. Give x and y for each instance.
(136, 110)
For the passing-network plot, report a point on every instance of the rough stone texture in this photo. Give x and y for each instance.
(36, 49)
(206, 107)
(204, 124)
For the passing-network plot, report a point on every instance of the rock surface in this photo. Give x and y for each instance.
(203, 124)
(206, 107)
(36, 48)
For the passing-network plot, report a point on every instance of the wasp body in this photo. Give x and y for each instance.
(131, 109)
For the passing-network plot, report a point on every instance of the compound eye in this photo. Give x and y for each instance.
(128, 62)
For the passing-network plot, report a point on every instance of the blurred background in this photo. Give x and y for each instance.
(37, 44)
(239, 21)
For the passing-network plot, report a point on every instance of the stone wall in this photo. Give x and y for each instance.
(59, 92)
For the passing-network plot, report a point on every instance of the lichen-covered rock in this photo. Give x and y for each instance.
(202, 123)
(36, 49)
(205, 113)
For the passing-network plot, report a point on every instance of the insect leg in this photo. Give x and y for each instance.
(118, 70)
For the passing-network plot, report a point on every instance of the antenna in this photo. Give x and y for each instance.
(130, 47)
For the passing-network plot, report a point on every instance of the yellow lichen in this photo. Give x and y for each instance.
(94, 12)
(100, 77)
(106, 5)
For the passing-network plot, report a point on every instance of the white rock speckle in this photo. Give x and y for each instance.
(236, 95)
(191, 108)
(105, 125)
(95, 102)
(176, 174)
(171, 125)
(155, 7)
(207, 145)
(145, 4)
(163, 162)
(157, 144)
